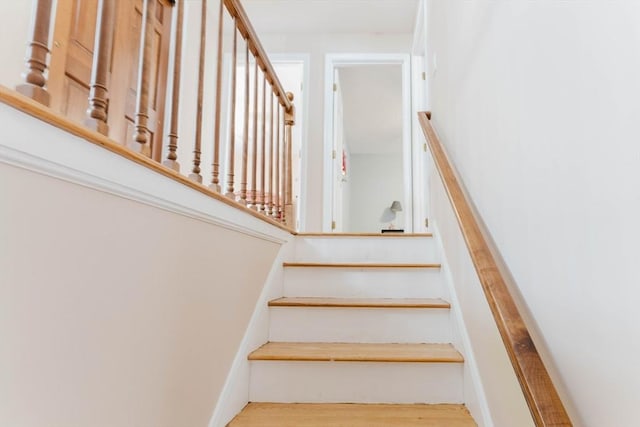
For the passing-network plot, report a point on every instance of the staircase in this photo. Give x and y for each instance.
(361, 337)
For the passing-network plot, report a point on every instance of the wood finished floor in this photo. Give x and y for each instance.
(357, 352)
(351, 415)
(359, 302)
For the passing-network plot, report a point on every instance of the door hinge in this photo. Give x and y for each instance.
(424, 147)
(335, 87)
(424, 75)
(426, 222)
(333, 154)
(333, 225)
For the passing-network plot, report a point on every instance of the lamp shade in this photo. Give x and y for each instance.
(396, 206)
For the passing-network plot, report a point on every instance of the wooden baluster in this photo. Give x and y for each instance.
(245, 139)
(141, 135)
(271, 133)
(197, 150)
(215, 179)
(283, 165)
(98, 95)
(276, 213)
(232, 132)
(36, 59)
(254, 154)
(262, 200)
(289, 122)
(172, 156)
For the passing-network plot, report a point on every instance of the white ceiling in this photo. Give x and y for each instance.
(332, 16)
(372, 108)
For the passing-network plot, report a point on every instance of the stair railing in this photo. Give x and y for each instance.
(252, 128)
(539, 392)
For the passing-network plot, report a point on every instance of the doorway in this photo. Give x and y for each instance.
(368, 161)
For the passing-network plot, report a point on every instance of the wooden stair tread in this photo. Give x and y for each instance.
(385, 235)
(352, 415)
(357, 352)
(360, 302)
(358, 265)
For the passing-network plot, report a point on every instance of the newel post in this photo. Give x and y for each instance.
(99, 92)
(36, 59)
(289, 122)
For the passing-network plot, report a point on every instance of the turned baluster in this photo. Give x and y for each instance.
(197, 150)
(289, 122)
(262, 199)
(245, 139)
(276, 212)
(215, 179)
(141, 135)
(36, 59)
(269, 210)
(283, 166)
(254, 154)
(98, 94)
(172, 156)
(232, 133)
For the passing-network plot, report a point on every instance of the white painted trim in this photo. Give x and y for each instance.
(327, 161)
(305, 59)
(407, 138)
(332, 60)
(235, 392)
(34, 145)
(419, 103)
(420, 183)
(481, 413)
(419, 41)
(427, 54)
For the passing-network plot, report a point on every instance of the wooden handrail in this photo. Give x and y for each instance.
(539, 392)
(246, 29)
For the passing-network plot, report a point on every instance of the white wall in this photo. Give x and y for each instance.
(491, 389)
(536, 103)
(375, 182)
(317, 45)
(124, 295)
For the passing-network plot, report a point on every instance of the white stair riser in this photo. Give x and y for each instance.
(355, 382)
(370, 325)
(363, 283)
(407, 250)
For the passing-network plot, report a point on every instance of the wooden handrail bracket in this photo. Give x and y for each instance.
(539, 392)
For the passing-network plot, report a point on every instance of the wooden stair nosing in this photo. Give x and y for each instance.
(321, 302)
(357, 352)
(352, 414)
(360, 265)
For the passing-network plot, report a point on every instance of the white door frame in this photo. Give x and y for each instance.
(335, 60)
(420, 103)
